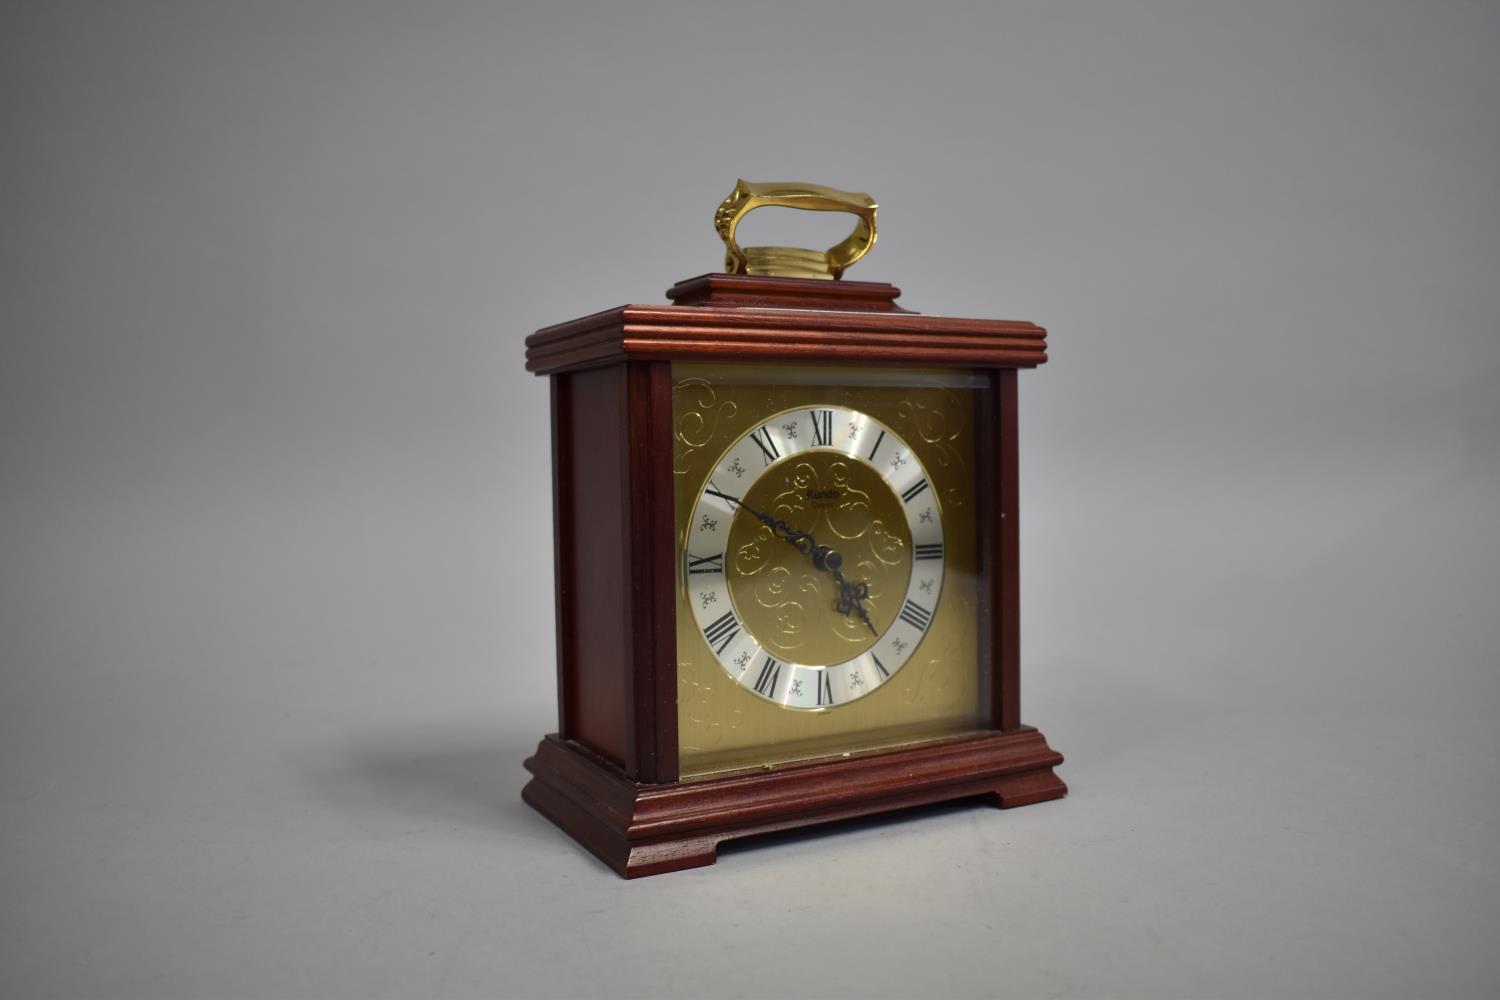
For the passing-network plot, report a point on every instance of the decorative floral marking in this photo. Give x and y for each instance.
(853, 431)
(709, 524)
(796, 687)
(708, 597)
(791, 430)
(897, 462)
(927, 516)
(927, 586)
(855, 680)
(742, 659)
(900, 646)
(737, 468)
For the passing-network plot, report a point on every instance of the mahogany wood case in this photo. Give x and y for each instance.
(609, 777)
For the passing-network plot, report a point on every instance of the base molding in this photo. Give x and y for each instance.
(650, 829)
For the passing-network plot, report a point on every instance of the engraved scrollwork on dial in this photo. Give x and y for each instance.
(927, 421)
(786, 595)
(933, 422)
(837, 504)
(733, 711)
(807, 594)
(885, 547)
(696, 703)
(698, 420)
(822, 495)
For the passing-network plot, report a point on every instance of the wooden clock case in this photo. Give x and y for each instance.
(609, 776)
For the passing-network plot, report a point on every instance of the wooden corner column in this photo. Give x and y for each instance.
(609, 777)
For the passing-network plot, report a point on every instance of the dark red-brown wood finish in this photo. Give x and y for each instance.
(640, 829)
(611, 432)
(609, 777)
(817, 331)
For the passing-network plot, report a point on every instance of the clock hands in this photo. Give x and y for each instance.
(851, 595)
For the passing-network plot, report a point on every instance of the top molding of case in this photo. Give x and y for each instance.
(741, 318)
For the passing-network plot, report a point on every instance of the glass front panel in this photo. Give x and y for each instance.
(829, 591)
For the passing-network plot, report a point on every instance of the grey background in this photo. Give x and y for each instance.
(275, 585)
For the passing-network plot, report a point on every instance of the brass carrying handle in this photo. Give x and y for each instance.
(795, 262)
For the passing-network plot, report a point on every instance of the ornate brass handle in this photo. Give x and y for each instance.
(795, 262)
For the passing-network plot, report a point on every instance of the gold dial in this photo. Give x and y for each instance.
(829, 590)
(786, 602)
(816, 559)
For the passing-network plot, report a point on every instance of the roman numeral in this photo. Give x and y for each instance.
(880, 666)
(713, 491)
(933, 551)
(822, 427)
(915, 491)
(871, 456)
(767, 447)
(724, 627)
(916, 616)
(825, 688)
(769, 673)
(715, 563)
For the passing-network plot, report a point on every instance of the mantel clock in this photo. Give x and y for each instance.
(786, 555)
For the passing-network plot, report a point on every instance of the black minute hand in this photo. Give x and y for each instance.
(851, 595)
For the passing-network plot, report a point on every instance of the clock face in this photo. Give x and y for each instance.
(814, 557)
(827, 531)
